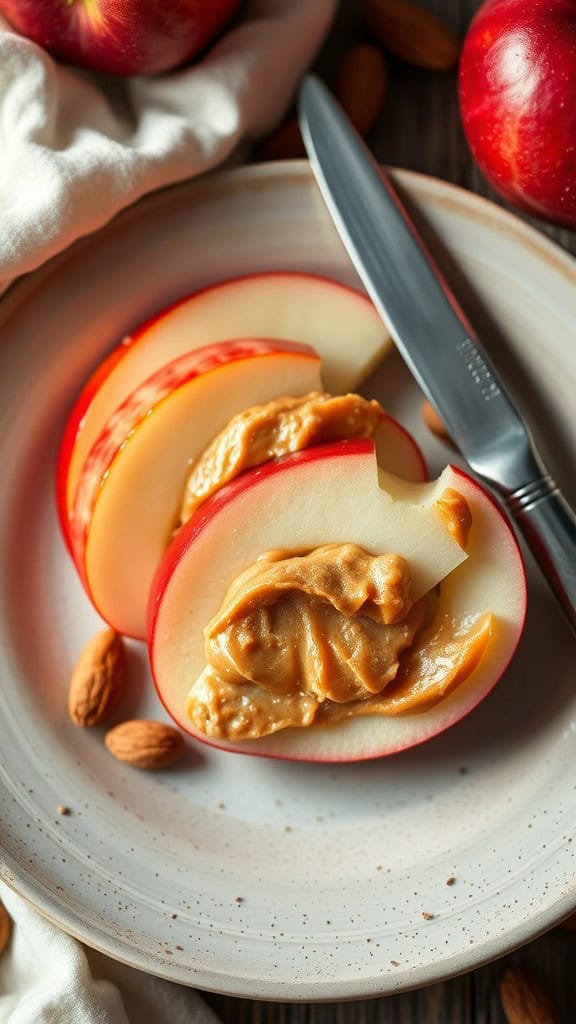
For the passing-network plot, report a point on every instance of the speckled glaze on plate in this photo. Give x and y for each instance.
(241, 875)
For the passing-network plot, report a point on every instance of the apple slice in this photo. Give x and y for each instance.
(331, 494)
(340, 323)
(132, 483)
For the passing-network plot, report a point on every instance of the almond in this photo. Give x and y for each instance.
(97, 679)
(412, 33)
(5, 928)
(283, 144)
(361, 85)
(145, 744)
(524, 1000)
(435, 425)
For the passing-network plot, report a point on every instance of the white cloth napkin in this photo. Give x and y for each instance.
(75, 148)
(46, 977)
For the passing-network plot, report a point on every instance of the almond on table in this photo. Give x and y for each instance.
(361, 85)
(525, 1000)
(412, 33)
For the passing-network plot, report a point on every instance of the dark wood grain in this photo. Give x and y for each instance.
(420, 129)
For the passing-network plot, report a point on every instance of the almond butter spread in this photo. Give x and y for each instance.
(268, 431)
(307, 638)
(333, 622)
(455, 513)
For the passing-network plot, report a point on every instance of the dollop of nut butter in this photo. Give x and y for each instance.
(333, 622)
(277, 428)
(298, 632)
(455, 513)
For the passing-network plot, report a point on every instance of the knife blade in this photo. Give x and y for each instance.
(435, 337)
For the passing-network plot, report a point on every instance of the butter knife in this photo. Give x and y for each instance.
(435, 337)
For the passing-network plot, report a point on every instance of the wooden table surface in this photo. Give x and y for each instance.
(420, 129)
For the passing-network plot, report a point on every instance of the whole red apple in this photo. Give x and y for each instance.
(517, 90)
(121, 37)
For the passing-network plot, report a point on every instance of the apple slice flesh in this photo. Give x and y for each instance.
(339, 322)
(130, 489)
(331, 494)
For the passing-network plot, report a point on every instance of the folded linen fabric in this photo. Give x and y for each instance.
(75, 148)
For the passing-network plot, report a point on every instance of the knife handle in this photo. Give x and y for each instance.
(549, 527)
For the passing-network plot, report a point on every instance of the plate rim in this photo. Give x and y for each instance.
(443, 190)
(23, 290)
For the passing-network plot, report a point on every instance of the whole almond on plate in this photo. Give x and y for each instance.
(145, 744)
(97, 679)
(361, 85)
(524, 1000)
(412, 33)
(5, 928)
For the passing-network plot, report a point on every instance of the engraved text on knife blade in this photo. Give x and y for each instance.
(478, 370)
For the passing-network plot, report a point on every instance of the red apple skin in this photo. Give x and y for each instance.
(121, 37)
(517, 89)
(202, 519)
(71, 428)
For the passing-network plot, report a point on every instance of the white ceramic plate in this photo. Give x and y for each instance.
(236, 874)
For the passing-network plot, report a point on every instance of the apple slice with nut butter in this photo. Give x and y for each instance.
(335, 495)
(340, 323)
